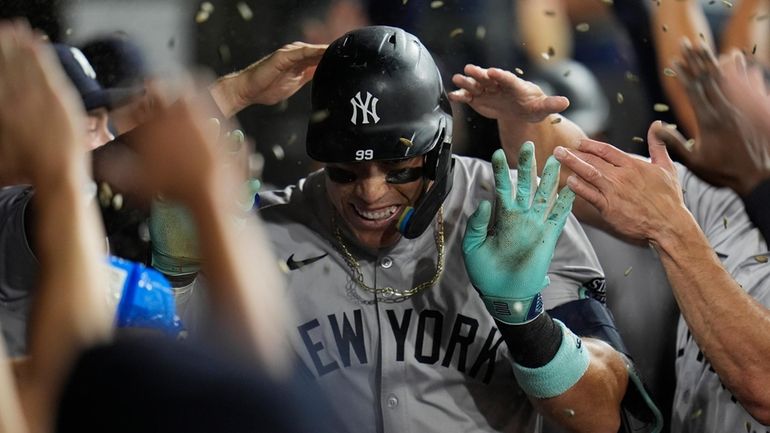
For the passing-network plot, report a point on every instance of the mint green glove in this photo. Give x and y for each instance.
(509, 264)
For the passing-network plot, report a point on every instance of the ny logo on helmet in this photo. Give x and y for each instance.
(366, 109)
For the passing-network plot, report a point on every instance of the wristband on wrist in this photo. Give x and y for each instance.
(514, 311)
(562, 372)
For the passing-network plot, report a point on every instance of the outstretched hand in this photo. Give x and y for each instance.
(269, 80)
(501, 95)
(638, 199)
(507, 257)
(732, 149)
(34, 92)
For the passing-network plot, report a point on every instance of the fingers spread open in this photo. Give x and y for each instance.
(503, 186)
(527, 169)
(476, 230)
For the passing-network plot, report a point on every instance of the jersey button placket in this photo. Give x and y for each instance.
(386, 262)
(392, 401)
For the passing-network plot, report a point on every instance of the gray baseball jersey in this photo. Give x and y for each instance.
(701, 402)
(432, 362)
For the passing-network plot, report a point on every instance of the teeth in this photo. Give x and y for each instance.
(377, 215)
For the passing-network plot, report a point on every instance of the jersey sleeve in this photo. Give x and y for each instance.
(18, 265)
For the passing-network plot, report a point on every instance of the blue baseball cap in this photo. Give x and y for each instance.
(83, 76)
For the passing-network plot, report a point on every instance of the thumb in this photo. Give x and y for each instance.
(660, 136)
(476, 230)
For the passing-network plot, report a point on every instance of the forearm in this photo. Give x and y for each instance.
(238, 263)
(671, 22)
(593, 403)
(535, 15)
(728, 325)
(68, 313)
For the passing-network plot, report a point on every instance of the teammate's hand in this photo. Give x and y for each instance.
(508, 261)
(501, 95)
(42, 120)
(733, 146)
(638, 199)
(269, 80)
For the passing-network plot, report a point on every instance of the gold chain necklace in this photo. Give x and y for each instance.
(391, 294)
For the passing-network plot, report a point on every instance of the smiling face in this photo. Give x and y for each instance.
(370, 196)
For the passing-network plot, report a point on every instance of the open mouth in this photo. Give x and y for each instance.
(377, 214)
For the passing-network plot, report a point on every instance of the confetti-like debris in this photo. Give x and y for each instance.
(671, 125)
(748, 427)
(761, 259)
(696, 414)
(551, 51)
(518, 71)
(319, 116)
(689, 144)
(607, 2)
(669, 72)
(436, 4)
(569, 412)
(762, 17)
(278, 152)
(583, 27)
(292, 139)
(207, 7)
(171, 43)
(224, 53)
(105, 194)
(567, 72)
(44, 37)
(754, 49)
(550, 13)
(664, 28)
(619, 98)
(117, 202)
(405, 142)
(556, 120)
(724, 222)
(637, 139)
(201, 17)
(660, 108)
(627, 272)
(703, 38)
(283, 267)
(456, 32)
(404, 2)
(631, 77)
(245, 11)
(545, 56)
(712, 2)
(481, 32)
(68, 32)
(727, 3)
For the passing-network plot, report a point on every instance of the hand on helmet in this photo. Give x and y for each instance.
(501, 95)
(508, 262)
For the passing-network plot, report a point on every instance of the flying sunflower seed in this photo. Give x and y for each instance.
(456, 32)
(68, 32)
(481, 32)
(724, 222)
(754, 49)
(550, 13)
(627, 272)
(583, 27)
(283, 106)
(669, 72)
(556, 120)
(319, 116)
(278, 152)
(689, 144)
(283, 267)
(436, 4)
(567, 72)
(117, 201)
(569, 412)
(637, 139)
(671, 125)
(207, 7)
(545, 56)
(748, 427)
(405, 142)
(201, 17)
(703, 38)
(292, 139)
(518, 71)
(631, 77)
(245, 11)
(660, 108)
(607, 2)
(762, 17)
(697, 413)
(551, 51)
(224, 53)
(619, 97)
(727, 3)
(761, 259)
(665, 28)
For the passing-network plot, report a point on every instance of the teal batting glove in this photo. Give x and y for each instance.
(509, 263)
(174, 239)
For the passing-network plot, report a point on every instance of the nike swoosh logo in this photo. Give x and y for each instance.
(294, 265)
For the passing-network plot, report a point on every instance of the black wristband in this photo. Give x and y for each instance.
(534, 343)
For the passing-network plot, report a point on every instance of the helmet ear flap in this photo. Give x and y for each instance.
(437, 160)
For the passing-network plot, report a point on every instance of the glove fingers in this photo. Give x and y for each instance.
(476, 230)
(526, 181)
(546, 191)
(503, 187)
(561, 211)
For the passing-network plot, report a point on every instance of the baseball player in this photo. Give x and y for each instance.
(376, 249)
